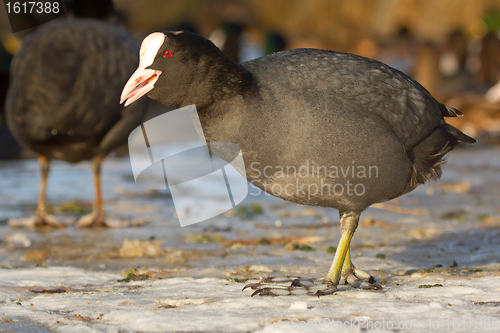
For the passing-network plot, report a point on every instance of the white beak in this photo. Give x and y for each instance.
(143, 80)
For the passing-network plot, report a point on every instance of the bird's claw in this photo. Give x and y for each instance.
(353, 275)
(272, 286)
(98, 220)
(91, 220)
(370, 286)
(41, 220)
(263, 292)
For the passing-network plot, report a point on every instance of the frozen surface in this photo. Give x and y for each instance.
(444, 236)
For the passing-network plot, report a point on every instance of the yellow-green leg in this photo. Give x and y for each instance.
(348, 225)
(351, 274)
(341, 270)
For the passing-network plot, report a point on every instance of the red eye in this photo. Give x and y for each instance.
(167, 53)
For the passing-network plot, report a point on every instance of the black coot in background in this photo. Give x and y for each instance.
(63, 99)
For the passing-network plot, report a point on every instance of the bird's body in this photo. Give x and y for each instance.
(311, 124)
(66, 81)
(343, 118)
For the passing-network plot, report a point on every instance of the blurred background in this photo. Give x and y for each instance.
(450, 227)
(451, 47)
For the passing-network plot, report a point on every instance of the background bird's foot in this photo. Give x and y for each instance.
(92, 220)
(351, 275)
(98, 220)
(291, 285)
(39, 221)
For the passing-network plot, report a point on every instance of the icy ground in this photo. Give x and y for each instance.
(436, 251)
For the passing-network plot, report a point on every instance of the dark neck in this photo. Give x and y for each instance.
(226, 80)
(211, 82)
(230, 84)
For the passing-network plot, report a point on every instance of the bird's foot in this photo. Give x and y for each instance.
(278, 286)
(98, 220)
(92, 220)
(39, 221)
(351, 275)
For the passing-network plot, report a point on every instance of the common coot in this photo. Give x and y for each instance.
(63, 99)
(315, 127)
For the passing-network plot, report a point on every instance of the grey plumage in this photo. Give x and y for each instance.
(315, 127)
(331, 109)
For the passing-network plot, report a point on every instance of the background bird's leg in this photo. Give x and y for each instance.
(348, 225)
(42, 218)
(96, 174)
(44, 174)
(97, 216)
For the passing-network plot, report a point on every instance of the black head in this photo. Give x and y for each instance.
(181, 66)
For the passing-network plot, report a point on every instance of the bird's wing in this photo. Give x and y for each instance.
(408, 108)
(354, 83)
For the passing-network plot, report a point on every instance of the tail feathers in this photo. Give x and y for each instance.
(459, 136)
(428, 155)
(448, 111)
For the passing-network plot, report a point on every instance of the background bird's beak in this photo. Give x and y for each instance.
(142, 81)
